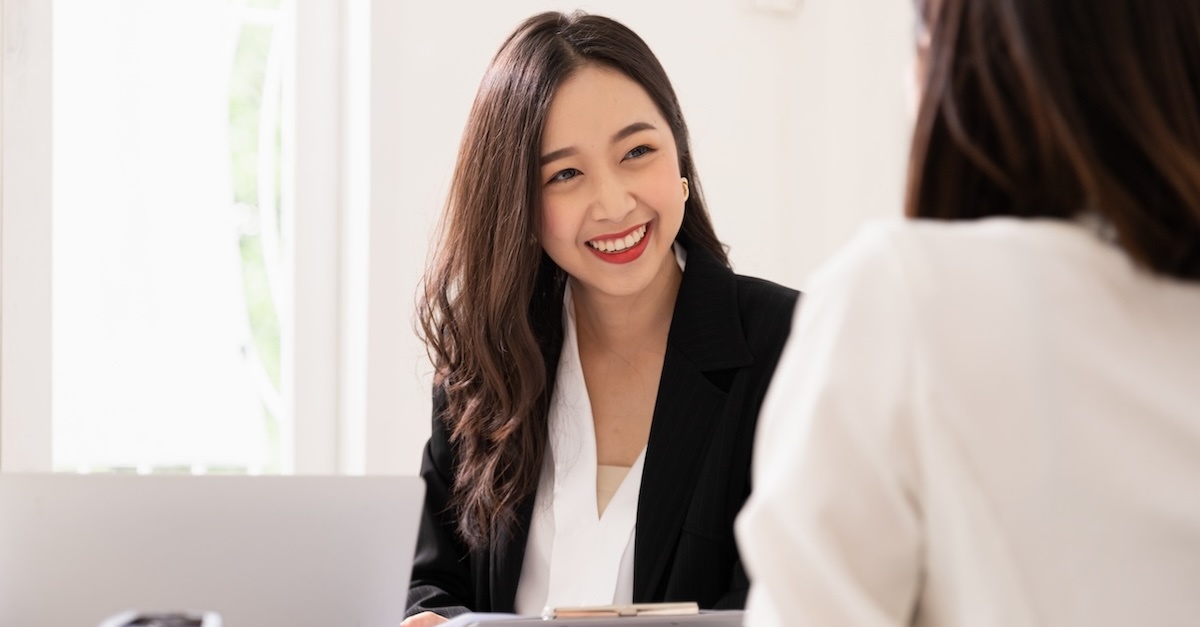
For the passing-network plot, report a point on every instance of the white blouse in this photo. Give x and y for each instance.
(993, 423)
(575, 555)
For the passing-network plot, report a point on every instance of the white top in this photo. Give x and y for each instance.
(589, 555)
(992, 423)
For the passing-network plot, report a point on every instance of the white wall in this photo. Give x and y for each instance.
(799, 123)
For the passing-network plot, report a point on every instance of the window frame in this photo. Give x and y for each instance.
(25, 236)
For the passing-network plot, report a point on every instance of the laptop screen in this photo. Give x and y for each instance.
(259, 551)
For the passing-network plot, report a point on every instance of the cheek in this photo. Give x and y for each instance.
(663, 188)
(556, 222)
(669, 194)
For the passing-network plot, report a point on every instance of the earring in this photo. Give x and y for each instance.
(686, 191)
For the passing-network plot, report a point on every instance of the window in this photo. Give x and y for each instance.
(202, 225)
(188, 239)
(167, 258)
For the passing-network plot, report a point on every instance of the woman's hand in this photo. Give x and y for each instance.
(424, 619)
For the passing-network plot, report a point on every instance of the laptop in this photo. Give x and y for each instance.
(77, 550)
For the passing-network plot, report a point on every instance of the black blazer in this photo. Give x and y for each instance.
(726, 335)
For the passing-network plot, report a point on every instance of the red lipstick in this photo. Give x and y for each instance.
(627, 255)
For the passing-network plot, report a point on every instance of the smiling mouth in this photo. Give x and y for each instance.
(620, 244)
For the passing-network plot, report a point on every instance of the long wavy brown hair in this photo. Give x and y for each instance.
(1054, 107)
(491, 309)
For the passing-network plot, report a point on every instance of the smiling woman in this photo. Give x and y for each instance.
(599, 367)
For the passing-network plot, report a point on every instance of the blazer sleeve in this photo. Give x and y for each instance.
(441, 575)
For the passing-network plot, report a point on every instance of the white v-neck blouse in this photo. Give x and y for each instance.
(590, 556)
(575, 556)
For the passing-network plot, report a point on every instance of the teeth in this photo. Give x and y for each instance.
(618, 245)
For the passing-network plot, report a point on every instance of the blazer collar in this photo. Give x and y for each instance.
(706, 325)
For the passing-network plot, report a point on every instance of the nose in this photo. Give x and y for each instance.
(613, 199)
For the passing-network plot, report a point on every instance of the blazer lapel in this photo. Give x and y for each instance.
(507, 560)
(705, 342)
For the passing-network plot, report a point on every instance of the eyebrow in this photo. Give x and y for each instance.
(636, 127)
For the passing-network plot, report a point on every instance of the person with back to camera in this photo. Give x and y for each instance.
(989, 414)
(598, 366)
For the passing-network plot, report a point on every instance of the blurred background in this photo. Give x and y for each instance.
(215, 213)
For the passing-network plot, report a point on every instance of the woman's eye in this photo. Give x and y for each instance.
(637, 152)
(564, 175)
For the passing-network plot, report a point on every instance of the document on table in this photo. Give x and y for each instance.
(705, 618)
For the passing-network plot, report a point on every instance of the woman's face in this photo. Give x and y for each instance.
(612, 196)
